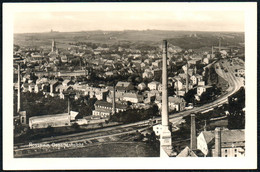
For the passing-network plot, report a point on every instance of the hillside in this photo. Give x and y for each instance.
(183, 39)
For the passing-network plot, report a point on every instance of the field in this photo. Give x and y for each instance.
(112, 149)
(183, 39)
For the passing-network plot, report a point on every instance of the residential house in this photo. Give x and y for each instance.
(202, 89)
(241, 72)
(53, 85)
(67, 82)
(64, 59)
(153, 85)
(195, 61)
(205, 60)
(133, 97)
(141, 86)
(31, 87)
(124, 86)
(160, 87)
(157, 63)
(176, 103)
(25, 87)
(147, 74)
(195, 79)
(201, 83)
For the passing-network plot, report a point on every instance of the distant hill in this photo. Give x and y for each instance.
(183, 39)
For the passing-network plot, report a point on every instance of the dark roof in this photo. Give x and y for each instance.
(228, 137)
(107, 104)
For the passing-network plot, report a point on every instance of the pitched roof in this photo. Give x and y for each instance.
(175, 99)
(154, 82)
(66, 81)
(42, 117)
(52, 82)
(107, 104)
(122, 84)
(187, 152)
(132, 95)
(228, 137)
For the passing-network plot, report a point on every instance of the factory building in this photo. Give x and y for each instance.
(104, 109)
(222, 143)
(45, 121)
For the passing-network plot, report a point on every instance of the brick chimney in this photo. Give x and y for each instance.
(193, 138)
(69, 105)
(114, 101)
(165, 116)
(217, 152)
(187, 77)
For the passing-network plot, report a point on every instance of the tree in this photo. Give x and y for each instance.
(50, 129)
(189, 96)
(236, 119)
(75, 125)
(134, 115)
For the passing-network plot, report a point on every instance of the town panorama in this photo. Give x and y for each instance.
(129, 94)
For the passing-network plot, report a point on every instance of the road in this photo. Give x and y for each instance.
(85, 137)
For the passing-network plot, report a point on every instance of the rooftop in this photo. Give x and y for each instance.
(107, 104)
(228, 137)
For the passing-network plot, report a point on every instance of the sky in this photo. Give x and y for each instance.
(66, 21)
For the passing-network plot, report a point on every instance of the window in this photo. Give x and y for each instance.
(225, 150)
(225, 155)
(235, 150)
(235, 155)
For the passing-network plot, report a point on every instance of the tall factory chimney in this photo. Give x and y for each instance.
(114, 101)
(193, 138)
(165, 137)
(19, 90)
(217, 151)
(53, 46)
(68, 105)
(187, 78)
(165, 119)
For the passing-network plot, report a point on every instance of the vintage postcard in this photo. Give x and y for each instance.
(129, 85)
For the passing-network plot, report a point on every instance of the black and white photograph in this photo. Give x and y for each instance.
(145, 81)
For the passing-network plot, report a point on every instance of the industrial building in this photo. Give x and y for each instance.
(104, 109)
(222, 143)
(44, 121)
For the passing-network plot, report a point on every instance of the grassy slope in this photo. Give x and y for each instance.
(179, 38)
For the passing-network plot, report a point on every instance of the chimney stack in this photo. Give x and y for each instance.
(19, 90)
(68, 105)
(165, 118)
(187, 78)
(165, 136)
(114, 101)
(217, 142)
(193, 138)
(53, 46)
